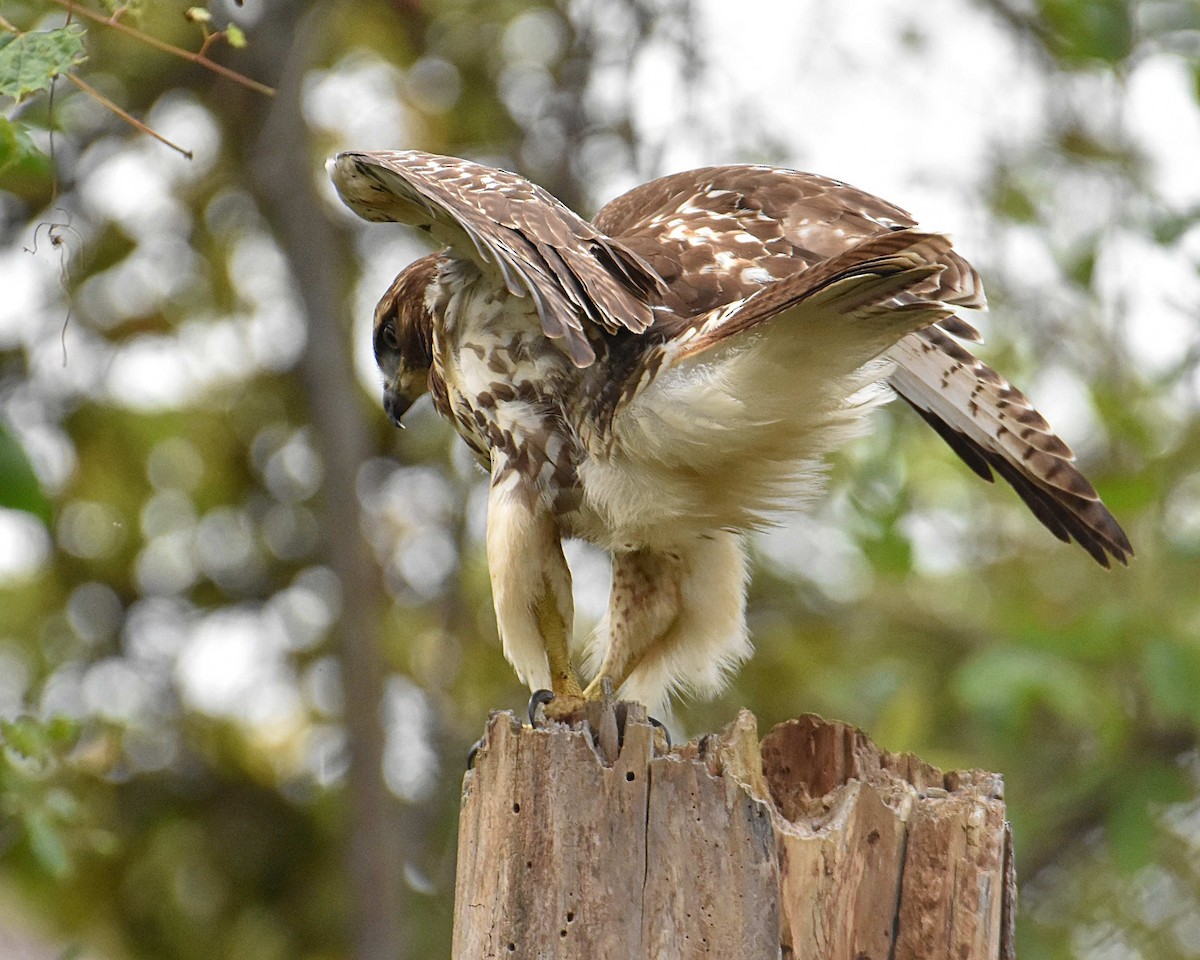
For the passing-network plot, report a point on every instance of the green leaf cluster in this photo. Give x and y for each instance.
(33, 795)
(30, 62)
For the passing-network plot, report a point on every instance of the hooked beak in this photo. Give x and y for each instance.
(395, 405)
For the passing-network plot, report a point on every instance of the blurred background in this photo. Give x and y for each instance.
(245, 629)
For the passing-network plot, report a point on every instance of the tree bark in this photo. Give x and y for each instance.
(282, 168)
(812, 844)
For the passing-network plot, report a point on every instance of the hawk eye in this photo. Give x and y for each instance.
(388, 336)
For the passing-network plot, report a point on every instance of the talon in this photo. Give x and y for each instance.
(659, 725)
(475, 748)
(539, 698)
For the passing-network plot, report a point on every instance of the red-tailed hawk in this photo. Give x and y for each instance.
(661, 380)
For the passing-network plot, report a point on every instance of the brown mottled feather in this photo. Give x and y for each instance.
(991, 425)
(781, 221)
(504, 222)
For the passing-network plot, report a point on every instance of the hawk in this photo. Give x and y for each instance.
(664, 379)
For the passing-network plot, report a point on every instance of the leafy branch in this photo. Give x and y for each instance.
(197, 14)
(30, 62)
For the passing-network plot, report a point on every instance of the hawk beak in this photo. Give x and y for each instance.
(395, 405)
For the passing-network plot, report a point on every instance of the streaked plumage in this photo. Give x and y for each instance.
(663, 379)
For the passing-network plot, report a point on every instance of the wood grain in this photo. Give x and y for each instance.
(812, 844)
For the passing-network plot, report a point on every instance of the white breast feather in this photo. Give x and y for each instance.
(731, 436)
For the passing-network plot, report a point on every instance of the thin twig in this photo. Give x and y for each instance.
(209, 40)
(170, 48)
(128, 118)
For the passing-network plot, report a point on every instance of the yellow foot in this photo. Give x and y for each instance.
(569, 703)
(566, 707)
(600, 688)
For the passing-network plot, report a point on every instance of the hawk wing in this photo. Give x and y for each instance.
(740, 246)
(575, 274)
(718, 234)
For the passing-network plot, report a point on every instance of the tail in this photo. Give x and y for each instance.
(991, 425)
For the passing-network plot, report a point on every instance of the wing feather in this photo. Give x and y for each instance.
(746, 250)
(874, 280)
(503, 222)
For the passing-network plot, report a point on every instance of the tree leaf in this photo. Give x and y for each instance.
(29, 62)
(16, 146)
(47, 844)
(1088, 30)
(19, 487)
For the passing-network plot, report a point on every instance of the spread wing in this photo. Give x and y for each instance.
(740, 246)
(575, 274)
(718, 234)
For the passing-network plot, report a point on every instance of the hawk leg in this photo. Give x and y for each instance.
(643, 605)
(676, 619)
(531, 586)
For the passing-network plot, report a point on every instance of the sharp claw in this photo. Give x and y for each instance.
(665, 732)
(475, 748)
(539, 699)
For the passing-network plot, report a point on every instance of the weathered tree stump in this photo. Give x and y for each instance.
(812, 844)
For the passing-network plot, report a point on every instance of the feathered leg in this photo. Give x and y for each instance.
(643, 606)
(676, 619)
(531, 585)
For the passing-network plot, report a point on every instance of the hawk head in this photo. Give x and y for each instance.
(404, 337)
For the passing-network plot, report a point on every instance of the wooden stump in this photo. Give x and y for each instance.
(812, 844)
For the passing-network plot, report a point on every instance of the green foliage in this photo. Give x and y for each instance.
(16, 147)
(1013, 200)
(1092, 30)
(1009, 686)
(41, 745)
(30, 62)
(1130, 821)
(19, 487)
(33, 798)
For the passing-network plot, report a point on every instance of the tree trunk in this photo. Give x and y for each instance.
(812, 844)
(282, 169)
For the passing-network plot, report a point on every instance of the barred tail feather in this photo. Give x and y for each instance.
(992, 426)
